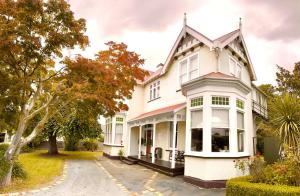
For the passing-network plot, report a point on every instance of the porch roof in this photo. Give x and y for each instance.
(172, 108)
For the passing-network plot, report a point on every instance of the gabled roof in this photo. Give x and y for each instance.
(172, 108)
(220, 42)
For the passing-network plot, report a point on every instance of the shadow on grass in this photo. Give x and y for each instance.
(70, 155)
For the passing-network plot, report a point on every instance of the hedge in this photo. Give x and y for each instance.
(242, 187)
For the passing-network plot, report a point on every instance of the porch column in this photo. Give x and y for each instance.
(140, 142)
(153, 143)
(174, 141)
(128, 140)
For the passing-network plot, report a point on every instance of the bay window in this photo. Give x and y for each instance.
(197, 130)
(220, 130)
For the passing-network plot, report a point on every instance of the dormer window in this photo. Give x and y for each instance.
(154, 90)
(189, 68)
(235, 68)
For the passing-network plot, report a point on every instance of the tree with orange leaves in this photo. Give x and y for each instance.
(33, 34)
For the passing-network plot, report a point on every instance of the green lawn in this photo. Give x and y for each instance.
(42, 168)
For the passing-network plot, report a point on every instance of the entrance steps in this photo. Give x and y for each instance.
(129, 161)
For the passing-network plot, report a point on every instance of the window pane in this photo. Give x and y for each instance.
(196, 119)
(118, 134)
(193, 74)
(220, 140)
(238, 71)
(183, 67)
(197, 140)
(232, 66)
(197, 101)
(220, 118)
(194, 63)
(240, 135)
(183, 78)
(217, 100)
(240, 120)
(240, 104)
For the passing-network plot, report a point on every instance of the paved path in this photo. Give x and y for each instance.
(84, 178)
(139, 180)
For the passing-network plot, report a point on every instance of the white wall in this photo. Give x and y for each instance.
(211, 168)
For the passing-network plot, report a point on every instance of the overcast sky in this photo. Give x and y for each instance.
(271, 28)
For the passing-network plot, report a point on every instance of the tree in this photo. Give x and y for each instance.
(33, 34)
(285, 117)
(289, 81)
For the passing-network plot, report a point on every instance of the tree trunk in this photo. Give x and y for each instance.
(52, 145)
(7, 178)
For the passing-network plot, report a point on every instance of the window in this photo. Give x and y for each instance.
(171, 135)
(154, 90)
(119, 133)
(193, 67)
(220, 130)
(108, 131)
(183, 71)
(119, 119)
(189, 69)
(197, 130)
(197, 102)
(235, 68)
(240, 131)
(220, 100)
(240, 104)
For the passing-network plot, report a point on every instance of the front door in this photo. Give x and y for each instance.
(148, 142)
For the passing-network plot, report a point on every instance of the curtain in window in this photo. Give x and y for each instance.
(220, 118)
(118, 134)
(196, 119)
(240, 120)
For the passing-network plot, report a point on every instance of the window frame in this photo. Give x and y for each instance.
(221, 107)
(154, 90)
(193, 109)
(188, 70)
(237, 65)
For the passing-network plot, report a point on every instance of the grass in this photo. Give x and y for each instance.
(42, 168)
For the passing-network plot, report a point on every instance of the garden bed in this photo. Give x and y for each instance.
(243, 187)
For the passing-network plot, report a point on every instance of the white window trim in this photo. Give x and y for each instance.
(192, 109)
(154, 86)
(187, 58)
(237, 64)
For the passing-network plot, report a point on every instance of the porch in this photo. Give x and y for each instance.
(157, 139)
(161, 166)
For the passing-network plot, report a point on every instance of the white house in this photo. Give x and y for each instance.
(195, 115)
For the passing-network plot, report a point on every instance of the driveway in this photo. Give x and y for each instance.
(84, 177)
(114, 178)
(139, 180)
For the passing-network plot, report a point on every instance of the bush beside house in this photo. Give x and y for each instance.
(243, 186)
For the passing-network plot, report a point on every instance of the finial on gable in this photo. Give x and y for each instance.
(240, 24)
(184, 19)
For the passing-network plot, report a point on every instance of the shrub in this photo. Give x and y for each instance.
(18, 171)
(26, 149)
(4, 164)
(90, 144)
(71, 144)
(243, 187)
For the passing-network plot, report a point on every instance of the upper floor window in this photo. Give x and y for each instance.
(189, 68)
(219, 100)
(235, 67)
(154, 90)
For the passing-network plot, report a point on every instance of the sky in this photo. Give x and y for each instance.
(271, 28)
